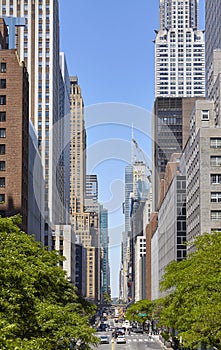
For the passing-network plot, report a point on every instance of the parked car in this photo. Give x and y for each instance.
(104, 339)
(137, 330)
(121, 339)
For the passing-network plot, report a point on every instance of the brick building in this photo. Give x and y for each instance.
(14, 122)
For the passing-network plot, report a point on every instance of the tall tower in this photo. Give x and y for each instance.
(38, 45)
(77, 148)
(84, 216)
(179, 81)
(179, 51)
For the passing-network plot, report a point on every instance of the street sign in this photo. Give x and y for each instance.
(142, 315)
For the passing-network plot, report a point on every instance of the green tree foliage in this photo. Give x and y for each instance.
(193, 305)
(106, 298)
(39, 308)
(140, 312)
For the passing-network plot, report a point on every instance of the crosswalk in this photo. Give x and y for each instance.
(136, 338)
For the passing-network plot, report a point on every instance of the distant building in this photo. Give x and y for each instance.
(36, 188)
(80, 270)
(140, 253)
(63, 240)
(91, 188)
(151, 256)
(63, 129)
(84, 220)
(104, 244)
(125, 254)
(77, 149)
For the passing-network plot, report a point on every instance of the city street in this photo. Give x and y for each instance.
(134, 342)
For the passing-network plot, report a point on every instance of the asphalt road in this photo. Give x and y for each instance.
(134, 342)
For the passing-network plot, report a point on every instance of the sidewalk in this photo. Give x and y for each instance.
(165, 344)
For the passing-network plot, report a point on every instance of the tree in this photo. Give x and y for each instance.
(106, 298)
(140, 312)
(39, 307)
(193, 303)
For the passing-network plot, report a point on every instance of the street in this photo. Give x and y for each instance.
(134, 342)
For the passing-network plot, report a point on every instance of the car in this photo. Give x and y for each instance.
(137, 330)
(116, 333)
(121, 339)
(104, 339)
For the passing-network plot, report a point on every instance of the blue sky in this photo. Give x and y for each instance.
(109, 46)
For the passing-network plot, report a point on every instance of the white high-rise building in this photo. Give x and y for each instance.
(38, 45)
(179, 51)
(140, 252)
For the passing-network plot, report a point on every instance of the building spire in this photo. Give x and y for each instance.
(132, 145)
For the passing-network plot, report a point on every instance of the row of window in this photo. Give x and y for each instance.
(215, 179)
(215, 160)
(215, 215)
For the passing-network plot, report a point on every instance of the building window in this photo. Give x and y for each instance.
(215, 142)
(2, 181)
(216, 230)
(205, 114)
(2, 132)
(3, 67)
(2, 116)
(2, 83)
(2, 165)
(2, 198)
(215, 179)
(214, 160)
(215, 197)
(215, 215)
(2, 99)
(2, 149)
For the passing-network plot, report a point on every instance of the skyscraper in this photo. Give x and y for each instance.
(125, 256)
(38, 45)
(104, 242)
(179, 50)
(212, 36)
(179, 80)
(77, 148)
(84, 216)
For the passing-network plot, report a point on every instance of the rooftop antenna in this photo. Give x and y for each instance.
(133, 156)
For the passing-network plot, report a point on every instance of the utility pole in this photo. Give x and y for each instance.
(112, 342)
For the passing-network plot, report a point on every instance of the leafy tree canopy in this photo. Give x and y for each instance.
(39, 308)
(193, 303)
(107, 298)
(140, 312)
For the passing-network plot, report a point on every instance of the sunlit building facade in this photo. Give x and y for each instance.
(179, 50)
(38, 46)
